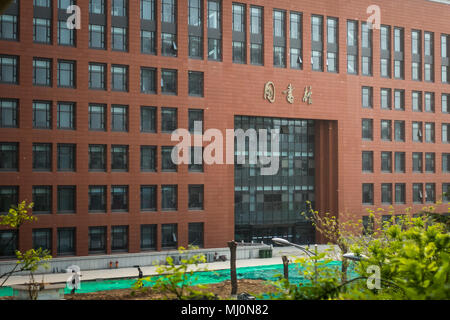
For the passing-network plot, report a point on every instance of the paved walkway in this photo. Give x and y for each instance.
(87, 275)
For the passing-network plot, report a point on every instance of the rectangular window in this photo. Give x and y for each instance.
(42, 72)
(445, 133)
(399, 99)
(169, 44)
(386, 130)
(42, 30)
(446, 192)
(352, 47)
(169, 235)
(239, 52)
(417, 132)
(42, 156)
(9, 27)
(119, 198)
(119, 238)
(67, 199)
(97, 239)
(214, 49)
(148, 119)
(119, 8)
(66, 115)
(317, 43)
(148, 80)
(279, 36)
(148, 42)
(169, 197)
(66, 157)
(367, 161)
(97, 76)
(445, 105)
(119, 39)
(9, 69)
(8, 243)
(417, 192)
(332, 45)
(417, 101)
(148, 237)
(148, 198)
(97, 157)
(256, 35)
(400, 193)
(279, 57)
(148, 9)
(97, 198)
(367, 193)
(97, 117)
(386, 193)
(169, 81)
(42, 238)
(417, 165)
(239, 33)
(196, 197)
(9, 196)
(66, 36)
(195, 121)
(428, 39)
(195, 47)
(9, 156)
(196, 157)
(445, 162)
(429, 132)
(195, 83)
(367, 129)
(66, 74)
(42, 199)
(386, 98)
(430, 162)
(400, 162)
(366, 49)
(66, 241)
(119, 78)
(367, 97)
(166, 160)
(148, 158)
(119, 118)
(97, 6)
(429, 102)
(386, 161)
(97, 36)
(119, 158)
(196, 230)
(399, 130)
(168, 120)
(9, 113)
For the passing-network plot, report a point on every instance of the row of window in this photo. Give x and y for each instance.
(119, 37)
(66, 76)
(399, 165)
(396, 193)
(97, 159)
(98, 115)
(66, 240)
(119, 198)
(420, 101)
(421, 132)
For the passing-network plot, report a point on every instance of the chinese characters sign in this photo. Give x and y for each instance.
(269, 93)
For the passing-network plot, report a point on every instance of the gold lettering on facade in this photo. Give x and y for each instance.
(289, 95)
(307, 97)
(269, 92)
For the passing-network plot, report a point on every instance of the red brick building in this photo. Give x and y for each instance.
(86, 116)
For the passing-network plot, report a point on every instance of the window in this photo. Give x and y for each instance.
(385, 68)
(386, 98)
(332, 44)
(195, 230)
(169, 81)
(430, 163)
(66, 241)
(417, 131)
(385, 51)
(415, 42)
(42, 238)
(66, 36)
(8, 243)
(445, 133)
(386, 161)
(445, 106)
(352, 47)
(64, 4)
(148, 42)
(400, 193)
(196, 197)
(196, 159)
(119, 238)
(148, 237)
(169, 197)
(445, 67)
(317, 28)
(9, 69)
(239, 33)
(97, 36)
(169, 44)
(119, 118)
(97, 239)
(195, 83)
(279, 57)
(367, 129)
(417, 162)
(66, 157)
(169, 234)
(42, 156)
(429, 132)
(97, 117)
(119, 158)
(119, 78)
(168, 120)
(400, 162)
(148, 119)
(97, 76)
(296, 58)
(97, 157)
(148, 198)
(429, 102)
(119, 8)
(386, 130)
(148, 158)
(195, 13)
(279, 23)
(168, 11)
(97, 6)
(417, 192)
(367, 97)
(256, 35)
(367, 193)
(9, 196)
(429, 56)
(148, 80)
(8, 113)
(42, 30)
(66, 115)
(399, 99)
(446, 162)
(417, 101)
(119, 198)
(367, 161)
(399, 130)
(67, 199)
(386, 193)
(42, 199)
(214, 49)
(195, 121)
(42, 72)
(66, 74)
(9, 156)
(195, 47)
(279, 36)
(97, 198)
(119, 39)
(446, 192)
(366, 50)
(9, 27)
(239, 51)
(166, 160)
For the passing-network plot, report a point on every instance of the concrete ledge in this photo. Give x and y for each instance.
(47, 292)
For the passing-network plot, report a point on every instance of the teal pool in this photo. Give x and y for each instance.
(268, 272)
